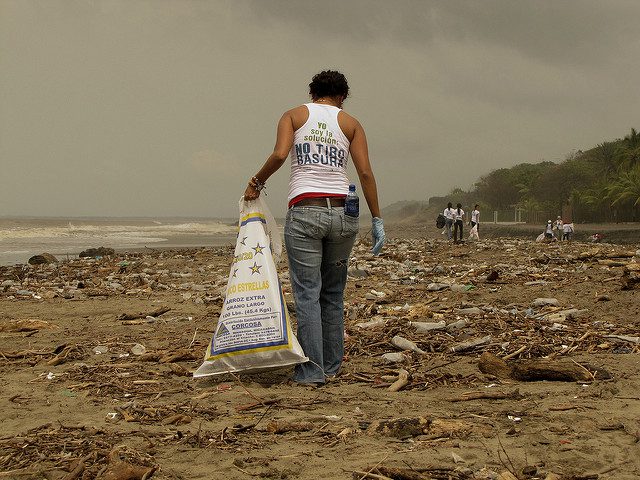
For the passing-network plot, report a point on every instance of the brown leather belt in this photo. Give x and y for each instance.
(320, 202)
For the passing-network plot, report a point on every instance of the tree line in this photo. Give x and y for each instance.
(598, 185)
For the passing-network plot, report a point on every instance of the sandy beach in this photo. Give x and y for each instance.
(96, 359)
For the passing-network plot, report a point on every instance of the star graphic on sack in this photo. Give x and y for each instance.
(255, 268)
(258, 249)
(243, 240)
(235, 270)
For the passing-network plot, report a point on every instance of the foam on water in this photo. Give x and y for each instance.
(20, 238)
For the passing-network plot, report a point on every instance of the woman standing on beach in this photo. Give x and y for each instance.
(318, 137)
(475, 218)
(458, 222)
(449, 216)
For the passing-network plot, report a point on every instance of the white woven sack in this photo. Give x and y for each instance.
(253, 331)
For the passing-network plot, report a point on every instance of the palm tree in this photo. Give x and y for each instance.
(626, 188)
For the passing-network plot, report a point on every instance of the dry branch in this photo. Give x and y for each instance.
(154, 313)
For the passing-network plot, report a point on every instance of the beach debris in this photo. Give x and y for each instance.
(119, 469)
(43, 258)
(631, 276)
(376, 322)
(401, 428)
(487, 395)
(404, 344)
(383, 472)
(457, 325)
(97, 252)
(470, 344)
(25, 325)
(423, 327)
(538, 369)
(404, 378)
(543, 302)
(394, 357)
(435, 321)
(469, 311)
(624, 338)
(138, 349)
(282, 426)
(153, 314)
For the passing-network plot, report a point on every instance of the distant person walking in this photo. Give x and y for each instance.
(458, 214)
(567, 231)
(475, 223)
(449, 219)
(475, 217)
(557, 226)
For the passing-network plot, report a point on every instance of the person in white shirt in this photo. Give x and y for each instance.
(548, 231)
(567, 231)
(475, 217)
(458, 214)
(319, 138)
(557, 226)
(449, 216)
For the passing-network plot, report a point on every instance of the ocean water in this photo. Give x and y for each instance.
(20, 238)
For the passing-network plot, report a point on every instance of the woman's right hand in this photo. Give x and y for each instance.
(251, 192)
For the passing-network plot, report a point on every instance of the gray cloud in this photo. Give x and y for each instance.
(167, 107)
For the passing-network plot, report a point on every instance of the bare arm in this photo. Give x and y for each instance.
(284, 141)
(360, 157)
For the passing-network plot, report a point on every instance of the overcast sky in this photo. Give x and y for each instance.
(167, 107)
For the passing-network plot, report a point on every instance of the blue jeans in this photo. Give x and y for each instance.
(448, 224)
(319, 241)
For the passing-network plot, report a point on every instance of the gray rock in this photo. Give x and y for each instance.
(97, 252)
(356, 272)
(42, 259)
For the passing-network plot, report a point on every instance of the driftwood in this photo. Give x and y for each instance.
(433, 428)
(382, 472)
(476, 342)
(487, 395)
(281, 426)
(26, 325)
(155, 313)
(118, 469)
(631, 276)
(78, 467)
(536, 369)
(403, 380)
(399, 427)
(177, 356)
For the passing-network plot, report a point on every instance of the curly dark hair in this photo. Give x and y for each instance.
(328, 83)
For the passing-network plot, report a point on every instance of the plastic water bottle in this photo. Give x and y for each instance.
(352, 202)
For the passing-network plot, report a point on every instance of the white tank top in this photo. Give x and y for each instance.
(319, 154)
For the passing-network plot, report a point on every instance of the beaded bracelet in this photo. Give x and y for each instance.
(259, 186)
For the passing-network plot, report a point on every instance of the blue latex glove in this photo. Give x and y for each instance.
(378, 235)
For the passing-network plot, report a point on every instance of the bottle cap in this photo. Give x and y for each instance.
(352, 187)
